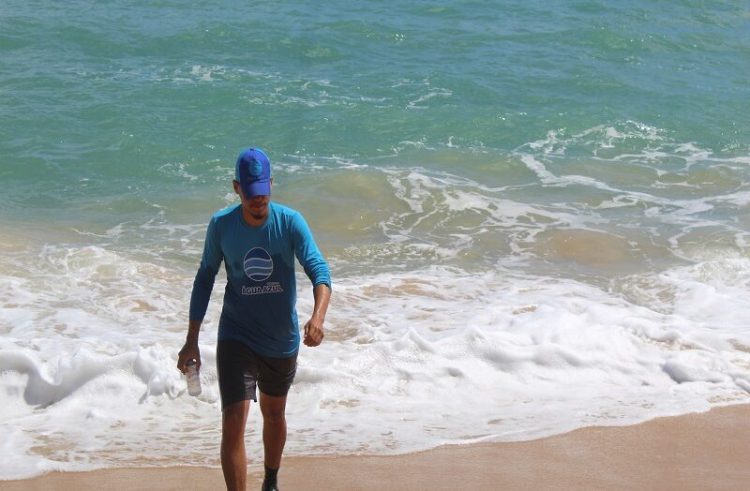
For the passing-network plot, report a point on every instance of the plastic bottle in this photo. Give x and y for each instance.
(193, 380)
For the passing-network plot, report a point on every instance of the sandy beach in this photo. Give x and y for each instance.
(697, 451)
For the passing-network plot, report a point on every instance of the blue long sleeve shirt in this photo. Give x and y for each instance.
(261, 292)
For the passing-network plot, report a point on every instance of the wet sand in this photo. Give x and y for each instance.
(692, 452)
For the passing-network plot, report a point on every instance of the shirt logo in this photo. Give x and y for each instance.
(258, 264)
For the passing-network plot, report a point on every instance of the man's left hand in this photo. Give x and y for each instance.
(313, 332)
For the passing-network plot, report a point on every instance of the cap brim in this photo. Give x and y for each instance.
(258, 188)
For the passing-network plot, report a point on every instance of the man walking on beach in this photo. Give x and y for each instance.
(258, 329)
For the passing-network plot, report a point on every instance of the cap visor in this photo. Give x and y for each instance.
(260, 188)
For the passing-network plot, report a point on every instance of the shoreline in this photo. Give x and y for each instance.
(695, 451)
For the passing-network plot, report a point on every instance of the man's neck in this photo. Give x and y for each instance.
(252, 220)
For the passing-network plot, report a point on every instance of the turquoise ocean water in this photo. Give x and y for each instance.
(531, 193)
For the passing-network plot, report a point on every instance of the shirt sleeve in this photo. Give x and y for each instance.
(308, 254)
(204, 278)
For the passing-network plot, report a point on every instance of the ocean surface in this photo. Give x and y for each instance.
(536, 213)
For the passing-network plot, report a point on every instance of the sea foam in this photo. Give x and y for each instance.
(411, 360)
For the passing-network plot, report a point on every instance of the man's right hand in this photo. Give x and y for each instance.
(189, 352)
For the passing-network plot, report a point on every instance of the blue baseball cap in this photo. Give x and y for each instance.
(253, 172)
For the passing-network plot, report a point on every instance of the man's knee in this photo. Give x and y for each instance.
(273, 408)
(274, 417)
(234, 416)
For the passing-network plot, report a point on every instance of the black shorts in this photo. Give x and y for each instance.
(241, 369)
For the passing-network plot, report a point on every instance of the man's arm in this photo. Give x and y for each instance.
(314, 327)
(190, 350)
(316, 268)
(202, 286)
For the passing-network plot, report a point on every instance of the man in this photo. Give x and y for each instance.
(258, 329)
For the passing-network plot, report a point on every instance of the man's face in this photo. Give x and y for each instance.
(256, 206)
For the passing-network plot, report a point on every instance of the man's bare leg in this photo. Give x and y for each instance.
(273, 409)
(233, 458)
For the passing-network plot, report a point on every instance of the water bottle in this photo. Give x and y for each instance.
(193, 380)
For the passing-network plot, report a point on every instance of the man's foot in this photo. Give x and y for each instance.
(269, 486)
(269, 481)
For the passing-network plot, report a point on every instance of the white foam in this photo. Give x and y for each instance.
(597, 138)
(411, 360)
(508, 357)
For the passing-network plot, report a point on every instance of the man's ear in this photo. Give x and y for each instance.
(236, 186)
